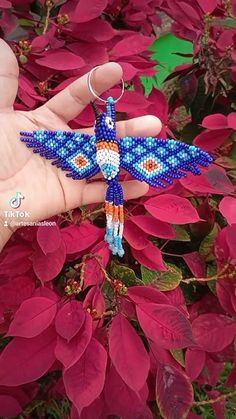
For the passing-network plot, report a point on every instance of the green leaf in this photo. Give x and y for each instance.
(178, 355)
(207, 245)
(170, 51)
(164, 281)
(181, 234)
(26, 22)
(212, 270)
(124, 273)
(228, 22)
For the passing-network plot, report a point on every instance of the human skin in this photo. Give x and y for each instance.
(46, 189)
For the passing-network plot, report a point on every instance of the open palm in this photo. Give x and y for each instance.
(46, 189)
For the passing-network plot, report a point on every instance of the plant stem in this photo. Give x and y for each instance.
(49, 6)
(217, 399)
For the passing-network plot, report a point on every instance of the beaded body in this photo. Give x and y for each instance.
(155, 161)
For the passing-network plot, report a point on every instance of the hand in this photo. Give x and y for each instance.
(46, 189)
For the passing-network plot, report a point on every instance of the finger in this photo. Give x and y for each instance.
(9, 72)
(74, 98)
(95, 191)
(143, 126)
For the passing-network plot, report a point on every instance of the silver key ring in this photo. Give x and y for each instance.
(96, 94)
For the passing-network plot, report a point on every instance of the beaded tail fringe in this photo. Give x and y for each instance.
(114, 217)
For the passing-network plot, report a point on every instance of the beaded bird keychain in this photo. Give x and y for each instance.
(155, 161)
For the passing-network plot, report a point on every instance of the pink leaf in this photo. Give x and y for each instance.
(122, 400)
(49, 238)
(85, 380)
(135, 236)
(227, 208)
(150, 256)
(70, 319)
(172, 209)
(33, 317)
(17, 290)
(24, 360)
(232, 118)
(215, 121)
(174, 393)
(47, 267)
(196, 263)
(231, 239)
(70, 352)
(153, 226)
(60, 59)
(78, 238)
(208, 6)
(131, 45)
(210, 140)
(86, 10)
(194, 362)
(165, 325)
(128, 353)
(219, 180)
(9, 406)
(145, 294)
(213, 332)
(93, 274)
(5, 4)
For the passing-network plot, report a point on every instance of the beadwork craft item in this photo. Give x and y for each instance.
(155, 161)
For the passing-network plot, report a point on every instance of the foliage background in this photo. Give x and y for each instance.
(155, 332)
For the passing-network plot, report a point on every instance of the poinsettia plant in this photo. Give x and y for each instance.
(86, 335)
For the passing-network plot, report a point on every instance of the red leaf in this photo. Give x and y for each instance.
(210, 140)
(196, 263)
(174, 393)
(24, 360)
(85, 380)
(213, 332)
(47, 267)
(135, 236)
(122, 400)
(145, 294)
(84, 10)
(131, 45)
(70, 319)
(128, 353)
(208, 6)
(218, 179)
(70, 352)
(151, 257)
(227, 208)
(49, 238)
(194, 362)
(95, 300)
(60, 59)
(9, 406)
(78, 238)
(216, 121)
(153, 226)
(16, 290)
(172, 209)
(165, 325)
(5, 4)
(15, 260)
(231, 240)
(95, 30)
(232, 118)
(93, 274)
(33, 317)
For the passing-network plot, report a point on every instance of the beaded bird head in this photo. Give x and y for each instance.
(105, 123)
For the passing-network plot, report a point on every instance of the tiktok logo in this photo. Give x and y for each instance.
(15, 201)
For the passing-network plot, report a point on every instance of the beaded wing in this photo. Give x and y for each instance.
(155, 161)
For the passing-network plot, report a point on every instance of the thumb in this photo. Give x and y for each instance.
(9, 72)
